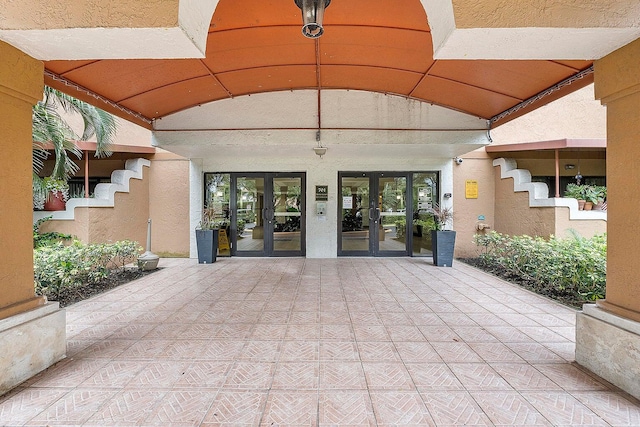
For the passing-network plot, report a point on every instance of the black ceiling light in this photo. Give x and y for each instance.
(312, 14)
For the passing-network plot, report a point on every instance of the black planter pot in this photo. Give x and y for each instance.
(207, 242)
(443, 243)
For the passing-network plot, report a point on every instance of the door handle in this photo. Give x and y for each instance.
(371, 214)
(378, 214)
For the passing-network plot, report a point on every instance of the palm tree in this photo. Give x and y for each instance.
(49, 127)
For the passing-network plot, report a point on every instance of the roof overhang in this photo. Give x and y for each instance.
(557, 144)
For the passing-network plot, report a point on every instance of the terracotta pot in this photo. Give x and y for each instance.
(588, 206)
(581, 204)
(55, 202)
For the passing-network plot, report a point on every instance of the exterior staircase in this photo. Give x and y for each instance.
(104, 194)
(538, 191)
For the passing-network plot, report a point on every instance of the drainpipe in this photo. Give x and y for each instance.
(86, 174)
(557, 174)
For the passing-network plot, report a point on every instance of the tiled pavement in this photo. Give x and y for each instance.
(305, 342)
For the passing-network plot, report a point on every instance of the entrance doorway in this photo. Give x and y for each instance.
(264, 211)
(386, 213)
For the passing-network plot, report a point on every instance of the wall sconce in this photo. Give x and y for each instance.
(320, 150)
(568, 167)
(312, 15)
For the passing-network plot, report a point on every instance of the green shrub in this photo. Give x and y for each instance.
(47, 239)
(57, 267)
(573, 269)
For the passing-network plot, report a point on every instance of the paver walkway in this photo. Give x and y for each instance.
(307, 342)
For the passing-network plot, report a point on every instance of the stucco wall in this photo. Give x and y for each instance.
(20, 88)
(513, 214)
(169, 206)
(577, 115)
(126, 220)
(584, 228)
(475, 166)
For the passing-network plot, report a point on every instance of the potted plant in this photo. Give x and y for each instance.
(601, 192)
(591, 197)
(443, 241)
(207, 235)
(577, 192)
(56, 193)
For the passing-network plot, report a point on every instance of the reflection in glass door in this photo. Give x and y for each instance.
(250, 215)
(392, 208)
(355, 215)
(287, 214)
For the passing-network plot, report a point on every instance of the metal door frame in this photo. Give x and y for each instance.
(374, 213)
(267, 214)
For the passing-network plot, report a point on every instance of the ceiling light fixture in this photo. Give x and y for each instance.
(312, 14)
(320, 150)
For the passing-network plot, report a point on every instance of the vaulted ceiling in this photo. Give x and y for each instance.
(256, 46)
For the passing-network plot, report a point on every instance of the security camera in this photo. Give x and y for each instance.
(458, 160)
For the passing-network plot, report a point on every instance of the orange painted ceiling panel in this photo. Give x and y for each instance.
(268, 79)
(369, 78)
(61, 67)
(576, 65)
(176, 97)
(256, 47)
(122, 79)
(461, 97)
(232, 14)
(504, 77)
(390, 48)
(376, 13)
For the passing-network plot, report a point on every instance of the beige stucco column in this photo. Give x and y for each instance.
(608, 334)
(31, 332)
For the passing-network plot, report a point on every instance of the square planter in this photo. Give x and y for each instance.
(207, 242)
(443, 243)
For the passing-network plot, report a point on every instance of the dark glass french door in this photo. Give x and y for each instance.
(262, 213)
(269, 212)
(372, 214)
(386, 213)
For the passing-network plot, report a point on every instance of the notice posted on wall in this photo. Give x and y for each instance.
(471, 189)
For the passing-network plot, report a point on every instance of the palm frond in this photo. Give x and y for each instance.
(96, 121)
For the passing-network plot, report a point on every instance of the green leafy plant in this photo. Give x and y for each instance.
(590, 193)
(572, 270)
(575, 191)
(58, 267)
(47, 239)
(56, 186)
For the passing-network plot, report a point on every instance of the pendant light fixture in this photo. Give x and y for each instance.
(312, 14)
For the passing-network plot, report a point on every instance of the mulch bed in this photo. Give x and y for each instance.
(552, 293)
(69, 296)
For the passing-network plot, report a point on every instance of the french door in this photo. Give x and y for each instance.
(269, 210)
(263, 213)
(386, 213)
(372, 214)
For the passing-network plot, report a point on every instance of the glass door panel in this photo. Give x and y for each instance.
(355, 216)
(392, 208)
(218, 195)
(424, 193)
(251, 213)
(287, 214)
